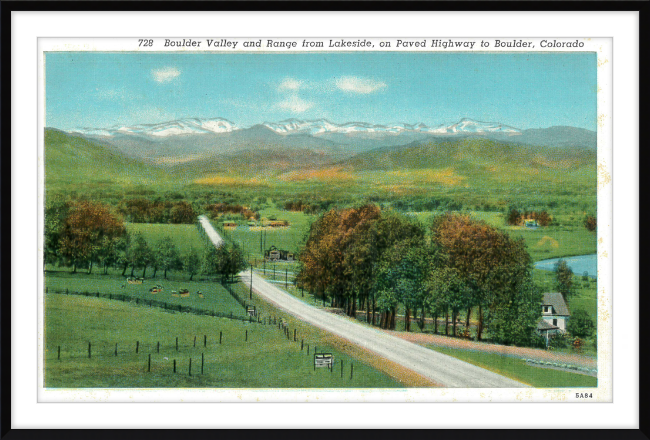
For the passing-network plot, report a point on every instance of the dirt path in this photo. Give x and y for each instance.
(518, 352)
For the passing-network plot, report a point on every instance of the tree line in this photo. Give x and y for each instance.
(374, 260)
(86, 234)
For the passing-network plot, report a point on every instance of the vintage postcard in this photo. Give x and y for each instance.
(325, 219)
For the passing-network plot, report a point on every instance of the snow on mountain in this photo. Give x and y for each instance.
(467, 125)
(287, 127)
(165, 129)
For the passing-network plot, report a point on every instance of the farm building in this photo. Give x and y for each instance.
(229, 224)
(555, 315)
(275, 254)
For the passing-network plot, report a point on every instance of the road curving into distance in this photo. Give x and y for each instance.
(442, 369)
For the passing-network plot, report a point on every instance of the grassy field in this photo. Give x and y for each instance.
(518, 369)
(216, 297)
(291, 238)
(185, 237)
(267, 359)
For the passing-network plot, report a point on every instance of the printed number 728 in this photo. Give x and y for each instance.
(144, 42)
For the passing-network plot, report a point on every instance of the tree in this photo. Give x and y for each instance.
(450, 293)
(182, 212)
(493, 266)
(56, 212)
(88, 228)
(590, 223)
(564, 279)
(167, 255)
(514, 217)
(191, 262)
(515, 322)
(581, 325)
(140, 254)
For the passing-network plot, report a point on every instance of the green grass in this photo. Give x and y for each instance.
(555, 241)
(216, 297)
(518, 369)
(185, 237)
(266, 360)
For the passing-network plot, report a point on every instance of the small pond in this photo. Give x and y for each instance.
(579, 264)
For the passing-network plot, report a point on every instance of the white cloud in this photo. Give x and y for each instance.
(295, 104)
(354, 84)
(165, 74)
(291, 84)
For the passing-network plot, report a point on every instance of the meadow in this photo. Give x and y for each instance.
(215, 297)
(185, 237)
(249, 355)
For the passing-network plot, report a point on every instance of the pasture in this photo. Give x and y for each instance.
(185, 237)
(215, 297)
(249, 356)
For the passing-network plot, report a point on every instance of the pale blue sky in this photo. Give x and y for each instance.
(529, 90)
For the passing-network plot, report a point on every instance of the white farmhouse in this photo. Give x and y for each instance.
(555, 315)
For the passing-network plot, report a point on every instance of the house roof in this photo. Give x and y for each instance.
(556, 300)
(545, 325)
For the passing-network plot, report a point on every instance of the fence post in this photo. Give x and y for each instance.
(201, 363)
(341, 367)
(307, 348)
(194, 341)
(174, 365)
(205, 341)
(302, 344)
(189, 371)
(88, 350)
(176, 343)
(220, 334)
(158, 347)
(351, 370)
(246, 340)
(294, 335)
(137, 346)
(149, 364)
(116, 349)
(59, 354)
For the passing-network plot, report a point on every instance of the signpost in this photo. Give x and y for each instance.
(323, 360)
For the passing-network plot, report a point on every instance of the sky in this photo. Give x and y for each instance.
(527, 90)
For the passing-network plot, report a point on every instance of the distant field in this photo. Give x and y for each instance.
(267, 360)
(184, 236)
(291, 238)
(216, 297)
(518, 370)
(553, 241)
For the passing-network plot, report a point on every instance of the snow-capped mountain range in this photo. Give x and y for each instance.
(319, 127)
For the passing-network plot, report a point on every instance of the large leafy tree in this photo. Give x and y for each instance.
(491, 265)
(140, 254)
(88, 229)
(191, 262)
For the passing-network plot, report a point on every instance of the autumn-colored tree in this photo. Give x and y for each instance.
(590, 223)
(543, 218)
(88, 228)
(491, 264)
(182, 212)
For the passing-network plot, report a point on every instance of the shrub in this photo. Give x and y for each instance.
(581, 324)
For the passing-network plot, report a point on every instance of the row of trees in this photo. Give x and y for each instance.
(142, 210)
(363, 257)
(516, 217)
(86, 234)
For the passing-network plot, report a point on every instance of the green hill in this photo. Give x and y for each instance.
(75, 161)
